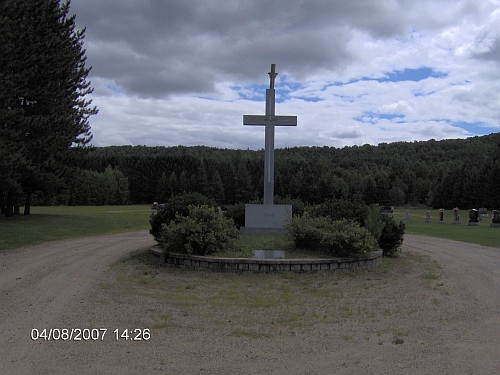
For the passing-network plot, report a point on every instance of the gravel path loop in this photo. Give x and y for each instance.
(44, 285)
(62, 285)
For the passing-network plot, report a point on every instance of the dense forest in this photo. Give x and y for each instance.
(448, 173)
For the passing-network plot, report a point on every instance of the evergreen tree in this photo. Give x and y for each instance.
(216, 188)
(172, 184)
(162, 189)
(43, 105)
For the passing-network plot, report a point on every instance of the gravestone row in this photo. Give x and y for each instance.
(475, 216)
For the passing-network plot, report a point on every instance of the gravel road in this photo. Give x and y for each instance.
(62, 285)
(42, 287)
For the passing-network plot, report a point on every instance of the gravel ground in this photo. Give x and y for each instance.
(449, 327)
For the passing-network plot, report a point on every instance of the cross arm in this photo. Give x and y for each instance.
(269, 120)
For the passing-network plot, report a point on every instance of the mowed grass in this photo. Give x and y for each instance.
(62, 222)
(482, 235)
(263, 306)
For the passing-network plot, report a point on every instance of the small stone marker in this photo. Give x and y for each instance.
(441, 215)
(428, 217)
(268, 217)
(407, 217)
(456, 216)
(495, 219)
(473, 217)
(483, 211)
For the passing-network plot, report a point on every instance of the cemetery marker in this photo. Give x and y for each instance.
(268, 217)
(269, 120)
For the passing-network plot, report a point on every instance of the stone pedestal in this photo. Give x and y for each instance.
(266, 218)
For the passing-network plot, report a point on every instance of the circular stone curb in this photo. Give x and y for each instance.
(201, 263)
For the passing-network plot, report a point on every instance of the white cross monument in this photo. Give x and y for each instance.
(268, 217)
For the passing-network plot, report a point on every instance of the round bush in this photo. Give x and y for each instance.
(307, 232)
(342, 238)
(178, 204)
(203, 231)
(237, 213)
(392, 237)
(348, 240)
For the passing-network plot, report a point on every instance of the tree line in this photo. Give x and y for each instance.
(448, 173)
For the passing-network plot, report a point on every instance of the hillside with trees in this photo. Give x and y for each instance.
(448, 173)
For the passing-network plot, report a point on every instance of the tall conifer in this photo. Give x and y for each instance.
(44, 109)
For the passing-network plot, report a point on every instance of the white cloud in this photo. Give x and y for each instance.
(177, 72)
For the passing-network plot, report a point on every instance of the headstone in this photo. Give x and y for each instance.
(456, 216)
(428, 217)
(483, 212)
(473, 217)
(407, 217)
(441, 215)
(495, 219)
(268, 217)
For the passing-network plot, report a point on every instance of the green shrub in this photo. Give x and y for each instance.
(307, 232)
(203, 231)
(374, 222)
(237, 213)
(392, 237)
(339, 238)
(178, 204)
(348, 240)
(298, 207)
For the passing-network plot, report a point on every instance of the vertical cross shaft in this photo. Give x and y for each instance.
(269, 140)
(269, 120)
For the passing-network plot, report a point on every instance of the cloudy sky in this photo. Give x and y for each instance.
(184, 72)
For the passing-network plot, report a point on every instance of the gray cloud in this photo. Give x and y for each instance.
(154, 48)
(493, 54)
(171, 72)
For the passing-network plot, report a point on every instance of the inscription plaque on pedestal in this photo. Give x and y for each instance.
(266, 218)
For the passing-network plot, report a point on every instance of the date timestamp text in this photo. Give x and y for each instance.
(90, 334)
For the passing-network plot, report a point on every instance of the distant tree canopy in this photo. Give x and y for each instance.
(43, 105)
(463, 172)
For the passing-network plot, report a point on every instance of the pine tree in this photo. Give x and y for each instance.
(43, 105)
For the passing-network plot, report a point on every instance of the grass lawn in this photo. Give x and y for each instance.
(482, 234)
(62, 222)
(263, 306)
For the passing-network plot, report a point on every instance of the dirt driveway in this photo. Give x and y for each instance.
(62, 286)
